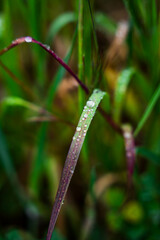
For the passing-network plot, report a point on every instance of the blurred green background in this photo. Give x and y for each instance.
(40, 105)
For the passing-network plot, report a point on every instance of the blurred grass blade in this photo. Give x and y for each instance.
(144, 152)
(16, 101)
(73, 154)
(21, 5)
(59, 76)
(130, 150)
(58, 24)
(42, 134)
(148, 111)
(120, 91)
(105, 23)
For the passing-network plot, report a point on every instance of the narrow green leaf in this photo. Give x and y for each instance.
(120, 91)
(42, 134)
(59, 23)
(59, 76)
(73, 154)
(148, 111)
(105, 23)
(16, 101)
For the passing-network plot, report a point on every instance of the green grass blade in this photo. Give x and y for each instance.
(73, 154)
(16, 101)
(148, 111)
(59, 23)
(59, 76)
(42, 134)
(105, 23)
(120, 91)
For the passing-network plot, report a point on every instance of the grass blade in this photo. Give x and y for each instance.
(73, 154)
(60, 73)
(148, 110)
(105, 23)
(42, 134)
(120, 91)
(16, 101)
(59, 23)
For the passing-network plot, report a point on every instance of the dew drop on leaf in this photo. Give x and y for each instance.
(78, 129)
(90, 103)
(28, 39)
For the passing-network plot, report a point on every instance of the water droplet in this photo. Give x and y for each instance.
(85, 125)
(90, 104)
(84, 134)
(85, 131)
(83, 119)
(47, 46)
(85, 115)
(74, 138)
(96, 91)
(78, 129)
(28, 39)
(127, 135)
(85, 107)
(71, 171)
(62, 202)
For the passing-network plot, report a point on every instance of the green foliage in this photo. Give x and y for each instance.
(99, 203)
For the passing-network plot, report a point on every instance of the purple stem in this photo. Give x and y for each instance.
(51, 52)
(108, 118)
(130, 151)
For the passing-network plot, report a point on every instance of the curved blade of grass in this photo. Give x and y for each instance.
(47, 116)
(122, 84)
(51, 52)
(16, 101)
(148, 111)
(130, 150)
(59, 23)
(73, 154)
(105, 23)
(28, 39)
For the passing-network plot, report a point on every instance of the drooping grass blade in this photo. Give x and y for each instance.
(148, 111)
(59, 23)
(28, 39)
(73, 154)
(120, 91)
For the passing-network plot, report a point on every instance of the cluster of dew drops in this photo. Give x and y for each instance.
(90, 104)
(81, 130)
